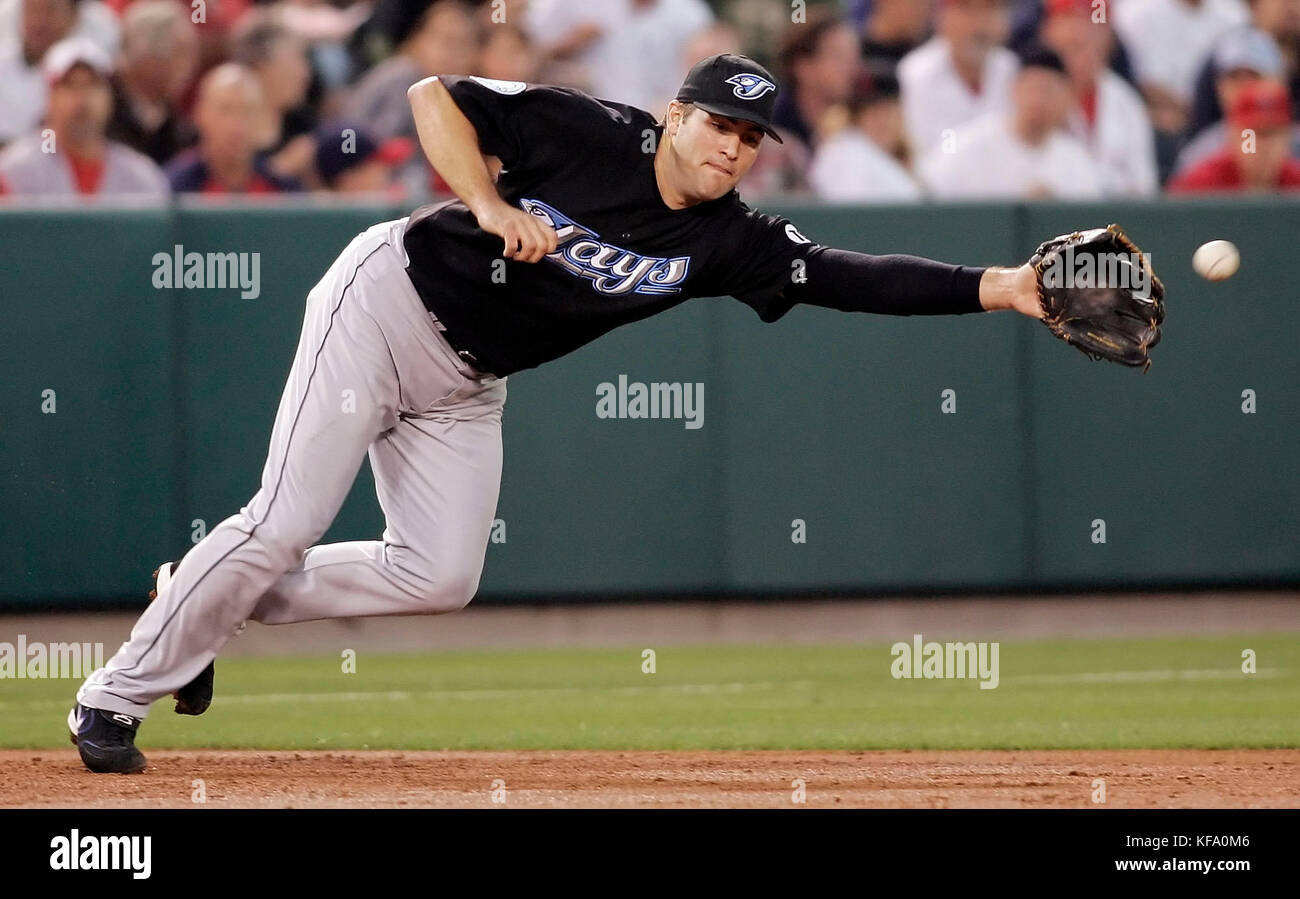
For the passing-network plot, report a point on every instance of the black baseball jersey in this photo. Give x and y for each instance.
(586, 167)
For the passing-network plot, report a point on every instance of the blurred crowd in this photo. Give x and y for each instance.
(881, 100)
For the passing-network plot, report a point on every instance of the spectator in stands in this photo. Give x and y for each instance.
(349, 160)
(159, 44)
(893, 29)
(35, 26)
(1027, 25)
(1242, 57)
(866, 161)
(1023, 154)
(1256, 155)
(326, 28)
(1109, 117)
(95, 20)
(621, 50)
(265, 45)
(508, 54)
(432, 37)
(781, 170)
(72, 156)
(717, 38)
(960, 74)
(1168, 42)
(819, 59)
(230, 115)
(1279, 20)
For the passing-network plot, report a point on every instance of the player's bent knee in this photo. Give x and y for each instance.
(439, 585)
(450, 593)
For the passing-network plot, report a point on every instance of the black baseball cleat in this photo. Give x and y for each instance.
(105, 740)
(195, 697)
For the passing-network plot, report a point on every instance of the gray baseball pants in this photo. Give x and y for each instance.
(372, 374)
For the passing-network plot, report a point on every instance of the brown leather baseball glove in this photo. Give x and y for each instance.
(1099, 294)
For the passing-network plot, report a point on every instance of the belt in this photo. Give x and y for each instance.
(465, 355)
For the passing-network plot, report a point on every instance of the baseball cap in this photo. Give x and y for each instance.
(1261, 104)
(735, 87)
(333, 159)
(1249, 48)
(70, 52)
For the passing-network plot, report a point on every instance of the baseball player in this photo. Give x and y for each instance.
(600, 216)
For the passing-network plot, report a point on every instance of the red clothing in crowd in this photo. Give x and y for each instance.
(1220, 172)
(87, 173)
(221, 13)
(1088, 103)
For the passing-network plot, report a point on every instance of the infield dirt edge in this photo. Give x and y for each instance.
(1139, 778)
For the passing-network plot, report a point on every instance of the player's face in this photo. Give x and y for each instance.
(713, 153)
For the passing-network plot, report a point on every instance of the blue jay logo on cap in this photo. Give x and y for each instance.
(749, 86)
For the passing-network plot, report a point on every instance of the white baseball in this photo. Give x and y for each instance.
(1217, 260)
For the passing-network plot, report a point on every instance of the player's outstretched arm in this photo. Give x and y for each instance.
(452, 147)
(899, 284)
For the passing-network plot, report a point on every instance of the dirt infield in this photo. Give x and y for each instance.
(757, 779)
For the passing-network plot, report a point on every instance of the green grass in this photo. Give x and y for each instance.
(1158, 693)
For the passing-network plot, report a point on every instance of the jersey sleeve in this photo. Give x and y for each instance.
(524, 125)
(763, 256)
(776, 268)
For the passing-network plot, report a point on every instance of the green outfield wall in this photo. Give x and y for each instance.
(132, 415)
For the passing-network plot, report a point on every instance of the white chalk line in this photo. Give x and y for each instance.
(1141, 677)
(473, 694)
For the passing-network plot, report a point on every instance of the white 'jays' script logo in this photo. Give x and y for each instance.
(749, 86)
(612, 270)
